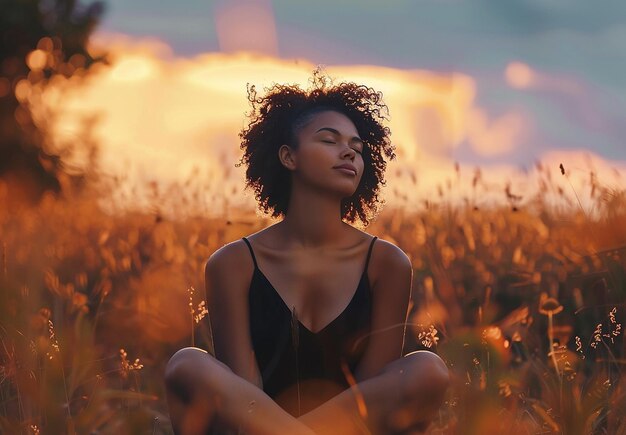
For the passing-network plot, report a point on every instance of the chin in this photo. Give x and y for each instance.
(343, 190)
(350, 192)
(347, 193)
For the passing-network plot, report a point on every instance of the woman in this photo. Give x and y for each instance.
(299, 350)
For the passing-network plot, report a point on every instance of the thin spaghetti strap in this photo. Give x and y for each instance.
(369, 252)
(251, 252)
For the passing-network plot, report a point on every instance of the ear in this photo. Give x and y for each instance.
(287, 157)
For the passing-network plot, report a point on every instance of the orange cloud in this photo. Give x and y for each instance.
(170, 120)
(522, 76)
(519, 75)
(497, 136)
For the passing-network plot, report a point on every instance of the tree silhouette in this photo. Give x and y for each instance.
(38, 39)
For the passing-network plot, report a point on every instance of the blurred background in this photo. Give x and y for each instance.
(119, 130)
(480, 84)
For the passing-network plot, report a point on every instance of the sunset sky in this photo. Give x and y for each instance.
(577, 46)
(495, 84)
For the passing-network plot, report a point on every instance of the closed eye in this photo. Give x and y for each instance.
(333, 142)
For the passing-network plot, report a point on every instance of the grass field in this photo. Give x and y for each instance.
(525, 303)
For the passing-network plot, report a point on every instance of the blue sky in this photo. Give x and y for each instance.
(580, 46)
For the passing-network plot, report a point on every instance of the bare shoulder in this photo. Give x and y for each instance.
(232, 253)
(388, 259)
(232, 261)
(389, 254)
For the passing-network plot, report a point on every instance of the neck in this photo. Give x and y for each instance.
(313, 219)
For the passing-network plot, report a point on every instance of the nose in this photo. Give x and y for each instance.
(348, 152)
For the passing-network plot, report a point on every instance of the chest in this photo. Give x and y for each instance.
(320, 287)
(290, 353)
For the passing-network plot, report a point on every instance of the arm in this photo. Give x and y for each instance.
(204, 391)
(391, 293)
(227, 288)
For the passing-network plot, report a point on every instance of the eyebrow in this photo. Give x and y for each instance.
(336, 132)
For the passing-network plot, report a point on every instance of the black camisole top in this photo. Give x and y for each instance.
(302, 369)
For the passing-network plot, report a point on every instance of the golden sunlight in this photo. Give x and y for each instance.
(163, 120)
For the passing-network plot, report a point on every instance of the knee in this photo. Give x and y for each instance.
(187, 370)
(178, 362)
(189, 379)
(427, 374)
(422, 386)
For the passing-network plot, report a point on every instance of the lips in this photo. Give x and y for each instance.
(347, 168)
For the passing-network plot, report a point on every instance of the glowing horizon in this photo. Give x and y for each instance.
(168, 120)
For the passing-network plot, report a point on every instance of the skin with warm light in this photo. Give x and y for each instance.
(310, 256)
(329, 142)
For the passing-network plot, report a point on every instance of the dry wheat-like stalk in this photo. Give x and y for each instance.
(53, 340)
(428, 337)
(127, 366)
(196, 314)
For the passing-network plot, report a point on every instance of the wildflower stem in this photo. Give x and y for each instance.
(191, 315)
(97, 314)
(554, 361)
(4, 259)
(67, 399)
(591, 230)
(193, 341)
(551, 340)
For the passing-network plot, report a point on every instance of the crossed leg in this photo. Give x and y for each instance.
(205, 396)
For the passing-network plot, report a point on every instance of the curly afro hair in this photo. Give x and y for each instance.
(276, 119)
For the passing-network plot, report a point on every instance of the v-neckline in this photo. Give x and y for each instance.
(335, 319)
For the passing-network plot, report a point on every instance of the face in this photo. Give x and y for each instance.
(328, 156)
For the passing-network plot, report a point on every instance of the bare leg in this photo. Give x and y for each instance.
(404, 396)
(203, 392)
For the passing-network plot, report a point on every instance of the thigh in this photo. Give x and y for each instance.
(192, 372)
(189, 400)
(399, 398)
(424, 379)
(215, 400)
(422, 372)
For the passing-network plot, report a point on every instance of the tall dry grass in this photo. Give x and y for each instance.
(524, 300)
